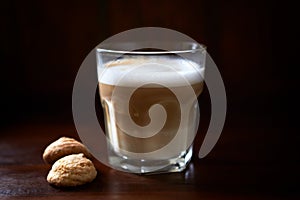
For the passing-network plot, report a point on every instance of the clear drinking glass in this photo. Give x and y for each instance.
(149, 99)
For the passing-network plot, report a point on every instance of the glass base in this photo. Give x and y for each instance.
(141, 166)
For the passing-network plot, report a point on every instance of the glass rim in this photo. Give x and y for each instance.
(195, 47)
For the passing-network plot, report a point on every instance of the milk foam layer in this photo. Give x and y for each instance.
(137, 71)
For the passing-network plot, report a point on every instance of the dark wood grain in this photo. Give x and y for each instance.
(23, 174)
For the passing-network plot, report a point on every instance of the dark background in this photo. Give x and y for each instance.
(43, 43)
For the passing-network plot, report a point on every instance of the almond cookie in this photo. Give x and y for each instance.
(72, 170)
(62, 147)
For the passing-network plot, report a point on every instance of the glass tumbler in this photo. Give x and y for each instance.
(149, 100)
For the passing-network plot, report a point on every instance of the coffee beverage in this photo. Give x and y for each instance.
(150, 105)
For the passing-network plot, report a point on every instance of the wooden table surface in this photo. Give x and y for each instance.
(23, 173)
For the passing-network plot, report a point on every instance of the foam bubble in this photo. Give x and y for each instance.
(132, 71)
